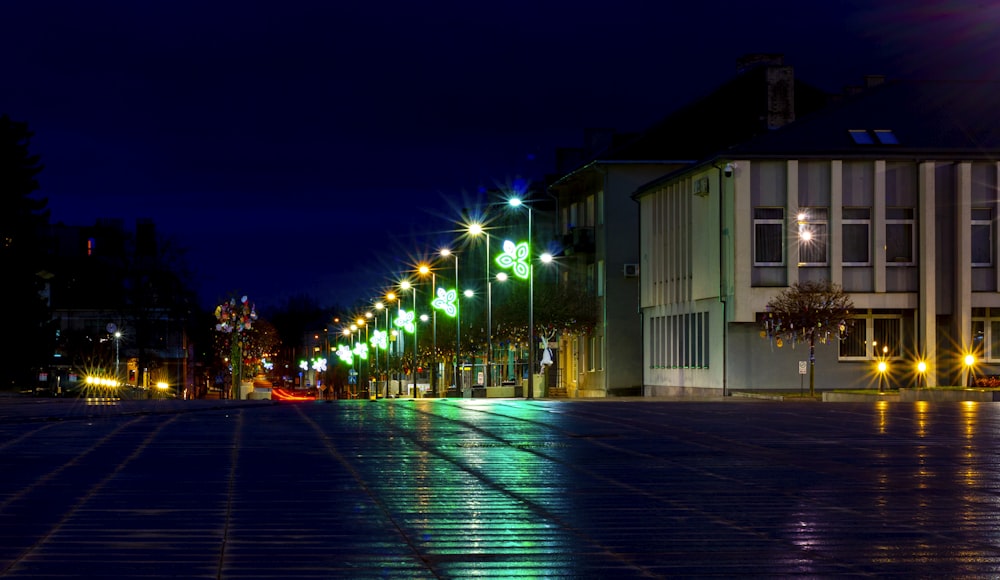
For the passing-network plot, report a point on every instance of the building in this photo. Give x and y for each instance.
(896, 187)
(600, 225)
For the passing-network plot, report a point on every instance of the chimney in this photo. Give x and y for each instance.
(780, 96)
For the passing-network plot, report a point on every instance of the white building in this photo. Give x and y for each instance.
(897, 187)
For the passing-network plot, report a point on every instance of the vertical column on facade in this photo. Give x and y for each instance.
(927, 298)
(835, 232)
(963, 254)
(878, 227)
(792, 211)
(742, 230)
(995, 199)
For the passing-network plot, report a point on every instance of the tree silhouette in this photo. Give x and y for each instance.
(805, 312)
(28, 338)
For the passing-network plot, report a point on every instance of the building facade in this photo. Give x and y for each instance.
(891, 194)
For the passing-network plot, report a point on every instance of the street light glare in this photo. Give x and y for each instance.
(546, 258)
(424, 269)
(514, 201)
(468, 293)
(445, 252)
(502, 276)
(404, 285)
(475, 229)
(970, 360)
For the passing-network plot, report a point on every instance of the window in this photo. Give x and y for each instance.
(899, 236)
(768, 236)
(856, 235)
(873, 336)
(595, 356)
(861, 137)
(886, 137)
(986, 333)
(982, 237)
(813, 236)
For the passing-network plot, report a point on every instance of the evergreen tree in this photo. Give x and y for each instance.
(23, 218)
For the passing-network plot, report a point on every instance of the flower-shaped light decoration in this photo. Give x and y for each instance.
(235, 317)
(380, 339)
(345, 355)
(405, 320)
(319, 365)
(446, 301)
(361, 351)
(515, 256)
(304, 365)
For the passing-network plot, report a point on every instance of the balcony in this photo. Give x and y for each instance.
(579, 241)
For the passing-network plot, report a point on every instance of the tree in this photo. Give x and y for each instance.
(805, 312)
(27, 336)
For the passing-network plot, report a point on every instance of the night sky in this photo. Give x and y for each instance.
(314, 147)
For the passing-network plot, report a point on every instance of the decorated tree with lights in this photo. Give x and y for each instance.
(235, 320)
(807, 312)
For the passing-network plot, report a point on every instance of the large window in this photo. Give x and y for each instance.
(986, 333)
(813, 236)
(856, 234)
(768, 236)
(899, 236)
(874, 335)
(982, 237)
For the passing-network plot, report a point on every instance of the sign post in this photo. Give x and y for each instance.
(803, 369)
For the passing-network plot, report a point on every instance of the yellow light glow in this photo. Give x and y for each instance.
(921, 367)
(970, 360)
(882, 366)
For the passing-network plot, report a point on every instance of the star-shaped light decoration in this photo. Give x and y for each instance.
(405, 320)
(515, 256)
(446, 301)
(380, 339)
(319, 365)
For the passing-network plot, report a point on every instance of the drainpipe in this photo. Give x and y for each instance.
(722, 280)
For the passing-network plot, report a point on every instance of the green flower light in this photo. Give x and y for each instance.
(446, 301)
(405, 320)
(361, 350)
(515, 256)
(380, 339)
(344, 353)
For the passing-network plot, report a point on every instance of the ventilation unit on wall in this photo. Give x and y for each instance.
(631, 270)
(700, 186)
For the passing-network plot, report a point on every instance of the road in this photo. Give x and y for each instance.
(456, 488)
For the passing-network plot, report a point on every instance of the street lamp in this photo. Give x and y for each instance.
(970, 362)
(458, 321)
(517, 202)
(921, 370)
(475, 229)
(882, 367)
(406, 285)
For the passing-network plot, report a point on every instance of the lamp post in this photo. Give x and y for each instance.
(476, 229)
(882, 367)
(406, 285)
(970, 362)
(517, 202)
(921, 370)
(458, 321)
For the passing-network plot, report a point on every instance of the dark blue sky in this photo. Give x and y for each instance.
(312, 147)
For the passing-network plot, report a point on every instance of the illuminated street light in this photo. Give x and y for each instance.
(921, 370)
(476, 229)
(882, 367)
(517, 202)
(406, 285)
(458, 322)
(970, 363)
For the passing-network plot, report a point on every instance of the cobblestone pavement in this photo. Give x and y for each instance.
(498, 488)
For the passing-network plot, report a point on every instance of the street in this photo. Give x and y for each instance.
(458, 488)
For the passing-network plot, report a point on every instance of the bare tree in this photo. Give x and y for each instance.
(805, 312)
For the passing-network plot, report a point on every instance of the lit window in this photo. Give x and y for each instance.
(874, 336)
(812, 223)
(986, 333)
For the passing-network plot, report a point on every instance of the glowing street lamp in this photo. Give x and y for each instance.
(517, 264)
(476, 229)
(882, 367)
(410, 325)
(458, 319)
(970, 363)
(921, 373)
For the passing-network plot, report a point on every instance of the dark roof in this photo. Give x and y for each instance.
(940, 118)
(732, 114)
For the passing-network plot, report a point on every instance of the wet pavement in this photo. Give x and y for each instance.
(468, 488)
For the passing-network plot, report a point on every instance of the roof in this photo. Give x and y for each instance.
(913, 118)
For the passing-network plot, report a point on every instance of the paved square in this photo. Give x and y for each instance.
(457, 488)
